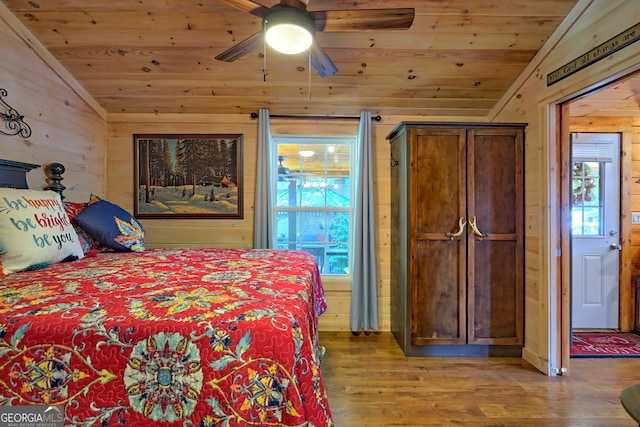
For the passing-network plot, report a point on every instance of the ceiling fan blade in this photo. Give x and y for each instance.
(363, 19)
(295, 3)
(321, 61)
(242, 48)
(247, 6)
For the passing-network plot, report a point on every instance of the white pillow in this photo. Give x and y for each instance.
(35, 230)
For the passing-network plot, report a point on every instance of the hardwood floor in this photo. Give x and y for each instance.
(371, 384)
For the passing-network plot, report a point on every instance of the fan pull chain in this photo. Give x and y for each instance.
(264, 54)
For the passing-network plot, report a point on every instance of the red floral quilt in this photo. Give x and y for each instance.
(184, 337)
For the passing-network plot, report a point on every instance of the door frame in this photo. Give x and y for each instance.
(560, 297)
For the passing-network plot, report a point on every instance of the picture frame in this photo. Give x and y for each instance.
(188, 176)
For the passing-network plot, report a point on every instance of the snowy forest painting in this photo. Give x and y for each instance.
(188, 176)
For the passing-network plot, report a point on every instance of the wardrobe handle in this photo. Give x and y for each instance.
(461, 224)
(474, 227)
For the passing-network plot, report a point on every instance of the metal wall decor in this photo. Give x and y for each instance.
(15, 122)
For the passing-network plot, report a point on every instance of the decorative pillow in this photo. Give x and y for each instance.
(35, 230)
(87, 241)
(111, 225)
(72, 209)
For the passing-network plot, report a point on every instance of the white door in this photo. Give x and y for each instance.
(595, 224)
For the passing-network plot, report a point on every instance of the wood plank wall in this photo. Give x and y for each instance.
(65, 128)
(531, 101)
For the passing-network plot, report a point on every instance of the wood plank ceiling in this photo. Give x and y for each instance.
(619, 99)
(157, 56)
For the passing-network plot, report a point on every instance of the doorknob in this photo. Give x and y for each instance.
(615, 247)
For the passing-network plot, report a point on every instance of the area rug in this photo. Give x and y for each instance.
(605, 345)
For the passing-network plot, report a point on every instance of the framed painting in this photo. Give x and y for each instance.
(188, 176)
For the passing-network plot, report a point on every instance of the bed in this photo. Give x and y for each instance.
(190, 337)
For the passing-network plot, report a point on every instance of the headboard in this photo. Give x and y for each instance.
(14, 175)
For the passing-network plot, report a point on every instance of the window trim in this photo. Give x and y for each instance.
(348, 140)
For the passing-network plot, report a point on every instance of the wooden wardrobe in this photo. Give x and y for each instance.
(457, 238)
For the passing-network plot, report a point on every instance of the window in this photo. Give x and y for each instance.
(586, 203)
(313, 205)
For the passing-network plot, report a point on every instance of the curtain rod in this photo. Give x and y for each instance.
(285, 116)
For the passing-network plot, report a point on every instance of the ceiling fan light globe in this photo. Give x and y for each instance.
(289, 39)
(288, 29)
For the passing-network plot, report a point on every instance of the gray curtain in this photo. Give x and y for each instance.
(263, 223)
(364, 290)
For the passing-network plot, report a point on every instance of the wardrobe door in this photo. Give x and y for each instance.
(438, 240)
(495, 211)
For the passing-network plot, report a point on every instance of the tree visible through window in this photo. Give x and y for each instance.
(586, 203)
(313, 198)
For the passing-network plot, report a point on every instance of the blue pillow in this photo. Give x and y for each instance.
(112, 226)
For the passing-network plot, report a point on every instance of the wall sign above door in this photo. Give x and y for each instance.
(607, 48)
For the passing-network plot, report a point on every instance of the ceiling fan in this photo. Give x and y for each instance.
(293, 13)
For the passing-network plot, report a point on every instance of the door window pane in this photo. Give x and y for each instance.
(586, 200)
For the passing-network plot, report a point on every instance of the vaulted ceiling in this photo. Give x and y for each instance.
(158, 56)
